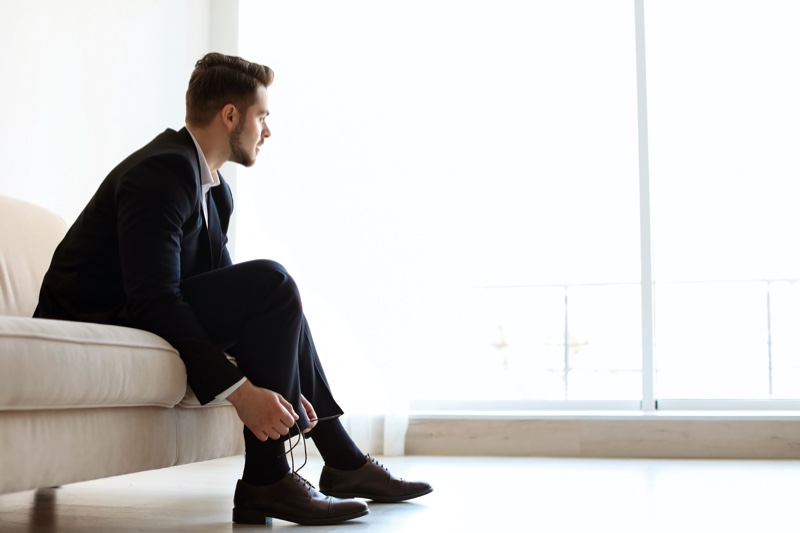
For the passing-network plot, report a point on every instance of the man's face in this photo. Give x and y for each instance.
(249, 134)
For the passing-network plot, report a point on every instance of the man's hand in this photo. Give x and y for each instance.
(312, 415)
(266, 413)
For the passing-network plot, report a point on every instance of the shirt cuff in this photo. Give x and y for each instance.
(227, 392)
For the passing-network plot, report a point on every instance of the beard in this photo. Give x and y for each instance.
(238, 152)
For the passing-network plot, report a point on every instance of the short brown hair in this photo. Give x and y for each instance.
(218, 80)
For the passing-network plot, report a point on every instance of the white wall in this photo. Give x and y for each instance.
(86, 82)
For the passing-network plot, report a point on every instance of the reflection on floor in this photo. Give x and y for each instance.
(471, 494)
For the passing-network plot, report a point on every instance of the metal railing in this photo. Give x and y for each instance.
(658, 288)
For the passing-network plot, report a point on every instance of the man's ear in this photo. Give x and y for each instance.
(230, 116)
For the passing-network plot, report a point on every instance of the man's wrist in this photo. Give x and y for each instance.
(227, 393)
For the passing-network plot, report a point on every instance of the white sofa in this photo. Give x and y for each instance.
(84, 401)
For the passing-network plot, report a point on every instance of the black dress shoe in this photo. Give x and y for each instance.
(293, 499)
(372, 481)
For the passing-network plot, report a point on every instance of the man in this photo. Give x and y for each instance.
(148, 251)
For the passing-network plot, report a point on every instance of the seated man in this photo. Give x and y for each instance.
(149, 252)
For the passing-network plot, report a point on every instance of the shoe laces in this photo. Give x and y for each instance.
(292, 445)
(303, 481)
(375, 461)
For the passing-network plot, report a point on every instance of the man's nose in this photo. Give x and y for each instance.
(265, 132)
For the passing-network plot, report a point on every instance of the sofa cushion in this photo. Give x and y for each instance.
(54, 364)
(28, 238)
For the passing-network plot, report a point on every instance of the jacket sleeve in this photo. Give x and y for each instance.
(154, 203)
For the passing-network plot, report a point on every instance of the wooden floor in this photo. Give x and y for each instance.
(471, 494)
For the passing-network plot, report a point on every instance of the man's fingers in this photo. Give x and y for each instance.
(308, 407)
(312, 415)
(271, 432)
(261, 434)
(265, 417)
(289, 409)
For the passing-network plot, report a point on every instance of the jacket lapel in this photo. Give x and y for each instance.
(214, 232)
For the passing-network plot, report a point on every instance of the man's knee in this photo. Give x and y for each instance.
(275, 282)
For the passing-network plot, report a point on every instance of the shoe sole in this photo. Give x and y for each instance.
(377, 498)
(254, 516)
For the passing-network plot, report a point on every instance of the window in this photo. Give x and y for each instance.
(724, 130)
(455, 185)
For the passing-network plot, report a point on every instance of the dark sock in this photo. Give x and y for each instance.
(336, 447)
(264, 462)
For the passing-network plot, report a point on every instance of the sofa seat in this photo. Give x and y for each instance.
(85, 365)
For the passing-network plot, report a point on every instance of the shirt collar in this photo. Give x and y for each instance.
(207, 179)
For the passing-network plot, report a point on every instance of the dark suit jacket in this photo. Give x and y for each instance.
(123, 259)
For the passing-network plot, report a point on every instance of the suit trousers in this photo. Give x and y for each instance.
(254, 312)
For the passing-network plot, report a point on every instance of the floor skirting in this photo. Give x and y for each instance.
(699, 436)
